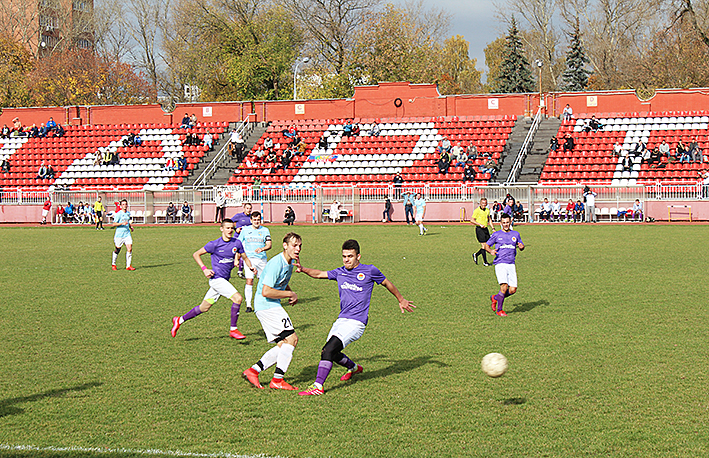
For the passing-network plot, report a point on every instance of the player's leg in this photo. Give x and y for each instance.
(279, 329)
(209, 299)
(129, 256)
(236, 301)
(117, 243)
(285, 356)
(249, 288)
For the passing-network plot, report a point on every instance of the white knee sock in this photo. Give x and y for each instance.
(129, 258)
(249, 294)
(421, 228)
(285, 356)
(268, 359)
(115, 256)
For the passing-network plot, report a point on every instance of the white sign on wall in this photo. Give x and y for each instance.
(299, 108)
(493, 104)
(591, 101)
(206, 112)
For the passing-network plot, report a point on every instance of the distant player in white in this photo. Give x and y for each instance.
(420, 205)
(121, 221)
(256, 240)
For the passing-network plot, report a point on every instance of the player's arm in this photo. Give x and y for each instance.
(247, 261)
(266, 247)
(404, 305)
(272, 293)
(314, 273)
(197, 255)
(520, 245)
(487, 248)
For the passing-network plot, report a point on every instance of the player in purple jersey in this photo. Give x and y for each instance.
(355, 282)
(241, 220)
(506, 242)
(224, 252)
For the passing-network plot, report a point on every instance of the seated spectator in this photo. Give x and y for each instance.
(186, 216)
(185, 124)
(59, 131)
(518, 212)
(637, 210)
(570, 210)
(50, 172)
(34, 131)
(682, 152)
(286, 158)
(335, 209)
(137, 140)
(347, 129)
(489, 167)
(193, 121)
(268, 144)
(171, 213)
(579, 211)
(567, 113)
(291, 132)
(545, 210)
(188, 140)
(586, 126)
(323, 143)
(456, 152)
(129, 140)
(627, 163)
(60, 215)
(617, 150)
(90, 213)
(209, 141)
(107, 156)
(271, 158)
(289, 216)
(462, 158)
(445, 145)
(553, 144)
(5, 132)
(694, 152)
(182, 164)
(444, 162)
(595, 124)
(69, 213)
(115, 158)
(355, 129)
(80, 213)
(169, 164)
(472, 152)
(51, 125)
(555, 210)
(259, 154)
(496, 210)
(655, 157)
(374, 130)
(40, 131)
(568, 143)
(5, 165)
(16, 126)
(469, 172)
(42, 172)
(639, 149)
(301, 147)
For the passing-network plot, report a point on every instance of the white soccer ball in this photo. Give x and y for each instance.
(494, 364)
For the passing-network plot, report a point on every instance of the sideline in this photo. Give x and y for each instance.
(32, 448)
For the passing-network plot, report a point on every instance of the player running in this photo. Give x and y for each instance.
(256, 240)
(224, 252)
(121, 221)
(420, 205)
(482, 219)
(242, 220)
(272, 287)
(506, 241)
(356, 282)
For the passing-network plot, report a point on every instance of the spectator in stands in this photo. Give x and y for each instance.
(386, 214)
(568, 143)
(268, 144)
(555, 210)
(60, 215)
(16, 126)
(570, 210)
(289, 216)
(186, 213)
(170, 213)
(129, 140)
(489, 167)
(185, 124)
(193, 121)
(704, 177)
(457, 152)
(445, 145)
(80, 213)
(695, 153)
(291, 132)
(398, 182)
(579, 211)
(271, 158)
(69, 213)
(137, 139)
(444, 162)
(209, 141)
(51, 125)
(553, 144)
(170, 164)
(182, 164)
(617, 149)
(469, 172)
(589, 198)
(595, 124)
(567, 113)
(34, 131)
(59, 131)
(496, 211)
(301, 147)
(115, 158)
(639, 149)
(236, 144)
(286, 158)
(335, 211)
(518, 212)
(627, 163)
(637, 210)
(545, 210)
(355, 129)
(107, 156)
(50, 172)
(655, 157)
(5, 165)
(682, 152)
(40, 131)
(374, 130)
(586, 126)
(347, 128)
(220, 202)
(42, 172)
(472, 152)
(5, 132)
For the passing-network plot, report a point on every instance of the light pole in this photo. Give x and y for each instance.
(295, 74)
(539, 66)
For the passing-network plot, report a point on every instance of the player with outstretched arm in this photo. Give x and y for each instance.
(224, 252)
(122, 236)
(355, 282)
(256, 240)
(506, 242)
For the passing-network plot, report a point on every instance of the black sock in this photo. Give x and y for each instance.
(484, 256)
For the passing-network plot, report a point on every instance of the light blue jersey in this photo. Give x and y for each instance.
(124, 219)
(252, 239)
(276, 275)
(420, 204)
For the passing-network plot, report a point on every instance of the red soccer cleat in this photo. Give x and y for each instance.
(348, 375)
(281, 385)
(130, 268)
(501, 313)
(235, 334)
(113, 267)
(312, 390)
(175, 326)
(252, 376)
(494, 303)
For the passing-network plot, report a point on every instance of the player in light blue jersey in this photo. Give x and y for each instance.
(121, 221)
(256, 240)
(420, 205)
(277, 325)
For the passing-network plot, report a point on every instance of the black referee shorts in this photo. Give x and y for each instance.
(482, 234)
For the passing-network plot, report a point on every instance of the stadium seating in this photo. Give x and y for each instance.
(591, 161)
(72, 157)
(406, 145)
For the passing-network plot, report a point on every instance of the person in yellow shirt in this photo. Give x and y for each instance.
(99, 209)
(482, 219)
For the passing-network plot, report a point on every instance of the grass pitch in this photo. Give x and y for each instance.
(606, 340)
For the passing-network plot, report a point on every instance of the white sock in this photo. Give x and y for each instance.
(421, 228)
(181, 320)
(115, 256)
(249, 293)
(129, 258)
(285, 356)
(268, 359)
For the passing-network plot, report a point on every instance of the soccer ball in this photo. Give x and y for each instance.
(494, 364)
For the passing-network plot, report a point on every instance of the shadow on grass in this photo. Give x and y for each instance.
(158, 265)
(521, 308)
(514, 401)
(306, 300)
(7, 406)
(254, 334)
(396, 366)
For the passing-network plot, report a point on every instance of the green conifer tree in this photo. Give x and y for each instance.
(575, 76)
(515, 73)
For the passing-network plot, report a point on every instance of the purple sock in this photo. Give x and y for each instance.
(348, 363)
(241, 264)
(323, 371)
(192, 313)
(235, 313)
(500, 300)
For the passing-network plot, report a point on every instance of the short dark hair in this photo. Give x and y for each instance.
(227, 220)
(291, 235)
(505, 216)
(351, 245)
(255, 214)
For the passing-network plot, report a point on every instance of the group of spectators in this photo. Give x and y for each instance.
(450, 155)
(51, 129)
(568, 144)
(82, 213)
(45, 172)
(184, 213)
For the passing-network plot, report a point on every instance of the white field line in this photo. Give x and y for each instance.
(177, 453)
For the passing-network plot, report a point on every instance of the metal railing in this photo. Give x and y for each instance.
(212, 167)
(522, 155)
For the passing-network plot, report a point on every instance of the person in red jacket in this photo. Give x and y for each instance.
(45, 210)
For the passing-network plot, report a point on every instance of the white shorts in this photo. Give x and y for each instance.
(120, 241)
(419, 216)
(506, 273)
(44, 213)
(258, 264)
(219, 287)
(347, 330)
(274, 321)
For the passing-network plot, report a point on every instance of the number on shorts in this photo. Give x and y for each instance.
(286, 323)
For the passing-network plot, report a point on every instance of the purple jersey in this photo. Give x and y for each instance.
(356, 289)
(241, 220)
(506, 246)
(223, 254)
(508, 210)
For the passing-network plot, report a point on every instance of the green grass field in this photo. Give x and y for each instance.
(606, 340)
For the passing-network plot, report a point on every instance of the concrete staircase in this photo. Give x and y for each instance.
(539, 151)
(514, 143)
(226, 168)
